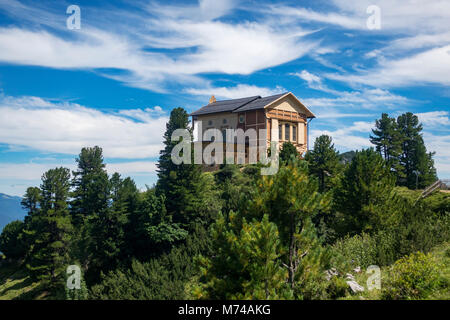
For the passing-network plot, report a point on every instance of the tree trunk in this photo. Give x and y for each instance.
(292, 252)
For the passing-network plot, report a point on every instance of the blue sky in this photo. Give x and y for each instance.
(114, 81)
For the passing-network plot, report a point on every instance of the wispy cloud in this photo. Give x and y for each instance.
(66, 128)
(165, 45)
(239, 91)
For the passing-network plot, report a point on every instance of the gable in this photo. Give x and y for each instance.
(290, 103)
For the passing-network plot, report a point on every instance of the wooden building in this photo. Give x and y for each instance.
(283, 116)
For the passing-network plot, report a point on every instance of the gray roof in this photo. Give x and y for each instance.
(237, 105)
(259, 103)
(224, 106)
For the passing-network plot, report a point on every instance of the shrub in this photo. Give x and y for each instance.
(412, 277)
(361, 250)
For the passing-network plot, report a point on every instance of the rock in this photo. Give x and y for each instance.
(331, 273)
(350, 277)
(355, 287)
(357, 270)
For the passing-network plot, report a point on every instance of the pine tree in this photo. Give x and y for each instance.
(53, 227)
(367, 182)
(179, 183)
(323, 161)
(90, 197)
(30, 202)
(289, 198)
(415, 161)
(246, 264)
(288, 151)
(90, 183)
(387, 139)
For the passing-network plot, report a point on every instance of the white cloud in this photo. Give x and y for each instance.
(401, 15)
(441, 145)
(346, 138)
(239, 91)
(66, 128)
(307, 76)
(367, 99)
(435, 119)
(206, 44)
(428, 67)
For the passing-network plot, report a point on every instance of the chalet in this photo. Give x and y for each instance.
(283, 116)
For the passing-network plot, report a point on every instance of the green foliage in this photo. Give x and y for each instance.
(77, 294)
(359, 250)
(323, 161)
(414, 157)
(246, 264)
(290, 199)
(91, 186)
(53, 228)
(366, 185)
(11, 242)
(388, 140)
(413, 277)
(401, 144)
(160, 278)
(288, 152)
(179, 183)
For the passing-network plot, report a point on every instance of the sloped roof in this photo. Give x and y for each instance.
(260, 103)
(244, 104)
(224, 106)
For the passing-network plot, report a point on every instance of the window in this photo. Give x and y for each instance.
(280, 132)
(210, 122)
(224, 135)
(241, 118)
(287, 129)
(294, 133)
(224, 121)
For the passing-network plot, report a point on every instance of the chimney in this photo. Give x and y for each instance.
(212, 99)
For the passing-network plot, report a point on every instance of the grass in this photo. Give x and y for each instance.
(15, 284)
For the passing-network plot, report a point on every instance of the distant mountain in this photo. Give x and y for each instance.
(347, 157)
(10, 209)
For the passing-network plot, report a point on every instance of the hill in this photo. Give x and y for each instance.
(10, 209)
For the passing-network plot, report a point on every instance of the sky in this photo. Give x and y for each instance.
(113, 81)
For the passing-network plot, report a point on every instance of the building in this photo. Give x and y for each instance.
(283, 116)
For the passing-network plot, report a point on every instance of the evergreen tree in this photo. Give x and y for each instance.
(323, 161)
(289, 198)
(180, 184)
(30, 202)
(367, 182)
(387, 139)
(287, 152)
(90, 198)
(416, 163)
(49, 254)
(246, 264)
(90, 183)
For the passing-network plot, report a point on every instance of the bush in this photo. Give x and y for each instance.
(413, 277)
(361, 250)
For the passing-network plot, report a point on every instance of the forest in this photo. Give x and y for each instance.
(309, 232)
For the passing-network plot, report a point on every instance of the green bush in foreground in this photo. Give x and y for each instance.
(413, 277)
